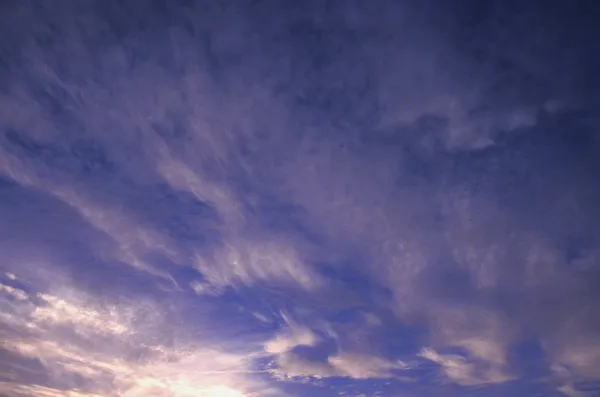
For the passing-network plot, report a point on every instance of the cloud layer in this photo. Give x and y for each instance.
(256, 197)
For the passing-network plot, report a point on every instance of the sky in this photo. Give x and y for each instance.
(256, 198)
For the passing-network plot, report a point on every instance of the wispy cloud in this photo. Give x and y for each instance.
(289, 363)
(114, 349)
(287, 340)
(459, 370)
(383, 158)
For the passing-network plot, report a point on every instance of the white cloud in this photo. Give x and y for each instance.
(244, 257)
(248, 260)
(16, 389)
(14, 292)
(182, 177)
(116, 354)
(465, 372)
(132, 240)
(341, 365)
(362, 366)
(456, 368)
(483, 334)
(288, 363)
(570, 391)
(291, 365)
(294, 335)
(10, 276)
(580, 354)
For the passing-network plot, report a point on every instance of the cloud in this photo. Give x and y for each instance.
(295, 335)
(245, 261)
(580, 355)
(471, 253)
(120, 349)
(289, 362)
(390, 158)
(465, 373)
(132, 240)
(291, 365)
(14, 292)
(359, 366)
(341, 365)
(130, 185)
(41, 391)
(569, 392)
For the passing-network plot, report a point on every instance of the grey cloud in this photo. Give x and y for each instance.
(476, 237)
(140, 125)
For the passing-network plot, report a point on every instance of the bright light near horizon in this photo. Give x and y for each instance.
(222, 391)
(178, 389)
(184, 369)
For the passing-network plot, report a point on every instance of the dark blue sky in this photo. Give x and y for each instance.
(311, 198)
